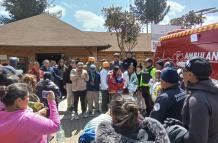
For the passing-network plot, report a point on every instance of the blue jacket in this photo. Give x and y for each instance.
(94, 81)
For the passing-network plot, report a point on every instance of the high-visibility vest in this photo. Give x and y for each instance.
(152, 74)
(142, 84)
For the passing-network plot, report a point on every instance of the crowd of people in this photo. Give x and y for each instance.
(140, 102)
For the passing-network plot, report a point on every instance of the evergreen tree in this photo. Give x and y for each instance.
(20, 9)
(150, 11)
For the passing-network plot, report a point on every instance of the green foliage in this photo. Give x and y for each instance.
(20, 9)
(150, 11)
(188, 20)
(124, 25)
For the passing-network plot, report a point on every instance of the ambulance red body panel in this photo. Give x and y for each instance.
(181, 46)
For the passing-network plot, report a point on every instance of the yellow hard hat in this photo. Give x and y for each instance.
(91, 59)
(106, 65)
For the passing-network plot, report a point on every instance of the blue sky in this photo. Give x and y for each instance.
(86, 14)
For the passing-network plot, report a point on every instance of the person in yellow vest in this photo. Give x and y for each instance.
(146, 75)
(155, 86)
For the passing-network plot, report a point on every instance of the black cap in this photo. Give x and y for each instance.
(168, 64)
(160, 62)
(116, 67)
(148, 60)
(169, 75)
(198, 66)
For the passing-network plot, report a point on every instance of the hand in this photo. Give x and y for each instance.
(64, 86)
(43, 112)
(51, 96)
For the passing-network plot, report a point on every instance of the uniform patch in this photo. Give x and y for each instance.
(156, 107)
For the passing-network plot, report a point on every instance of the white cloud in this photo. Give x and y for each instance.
(175, 8)
(166, 20)
(90, 21)
(69, 5)
(3, 12)
(56, 9)
(210, 19)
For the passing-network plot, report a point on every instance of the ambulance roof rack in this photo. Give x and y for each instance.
(190, 31)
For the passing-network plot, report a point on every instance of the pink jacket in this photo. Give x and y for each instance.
(24, 126)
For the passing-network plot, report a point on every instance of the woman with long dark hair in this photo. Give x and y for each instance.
(128, 127)
(18, 124)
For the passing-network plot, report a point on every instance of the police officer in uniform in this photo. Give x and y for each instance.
(200, 111)
(169, 104)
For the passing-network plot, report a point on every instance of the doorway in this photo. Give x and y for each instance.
(49, 56)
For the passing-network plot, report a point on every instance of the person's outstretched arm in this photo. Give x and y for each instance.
(40, 125)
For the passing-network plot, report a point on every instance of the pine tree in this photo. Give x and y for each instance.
(20, 9)
(150, 11)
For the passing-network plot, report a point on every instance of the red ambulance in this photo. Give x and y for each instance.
(183, 45)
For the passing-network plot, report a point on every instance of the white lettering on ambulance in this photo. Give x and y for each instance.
(215, 56)
(202, 54)
(211, 56)
(208, 57)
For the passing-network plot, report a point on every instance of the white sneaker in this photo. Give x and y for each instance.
(76, 116)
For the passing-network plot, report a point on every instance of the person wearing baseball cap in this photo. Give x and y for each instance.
(159, 65)
(79, 78)
(129, 60)
(116, 62)
(170, 102)
(146, 75)
(200, 110)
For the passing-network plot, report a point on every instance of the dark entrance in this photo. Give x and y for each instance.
(50, 56)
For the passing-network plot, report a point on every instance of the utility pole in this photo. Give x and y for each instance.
(206, 11)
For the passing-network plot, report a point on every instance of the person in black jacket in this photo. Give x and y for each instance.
(200, 111)
(68, 85)
(116, 62)
(170, 102)
(129, 61)
(47, 84)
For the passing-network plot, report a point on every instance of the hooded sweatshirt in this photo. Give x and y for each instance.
(149, 131)
(200, 113)
(24, 126)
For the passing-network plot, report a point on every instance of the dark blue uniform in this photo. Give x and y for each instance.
(169, 104)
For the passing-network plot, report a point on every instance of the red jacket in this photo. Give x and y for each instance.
(39, 75)
(115, 83)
